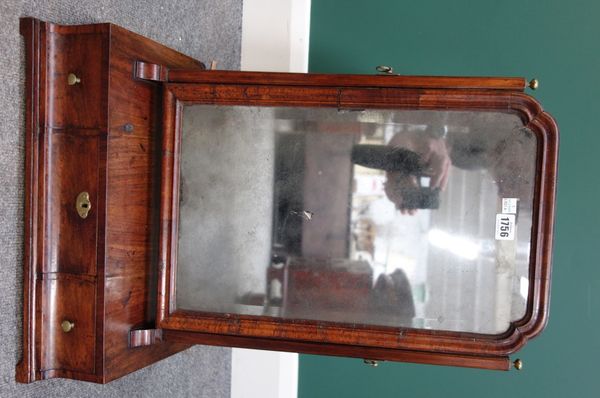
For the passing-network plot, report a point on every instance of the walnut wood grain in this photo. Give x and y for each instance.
(132, 201)
(336, 80)
(31, 32)
(98, 272)
(69, 238)
(432, 358)
(144, 337)
(154, 72)
(73, 350)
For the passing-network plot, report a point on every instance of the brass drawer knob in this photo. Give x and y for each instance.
(67, 326)
(83, 204)
(72, 79)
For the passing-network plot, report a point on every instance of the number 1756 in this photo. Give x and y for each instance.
(504, 227)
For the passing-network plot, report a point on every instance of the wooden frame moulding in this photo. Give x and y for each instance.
(316, 337)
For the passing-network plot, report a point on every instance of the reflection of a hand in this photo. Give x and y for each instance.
(435, 159)
(398, 182)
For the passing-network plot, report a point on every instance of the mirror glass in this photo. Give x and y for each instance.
(404, 218)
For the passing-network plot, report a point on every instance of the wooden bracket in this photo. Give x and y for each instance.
(144, 337)
(149, 71)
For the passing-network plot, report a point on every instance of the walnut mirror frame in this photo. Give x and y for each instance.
(104, 122)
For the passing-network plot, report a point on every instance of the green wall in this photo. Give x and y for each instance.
(557, 42)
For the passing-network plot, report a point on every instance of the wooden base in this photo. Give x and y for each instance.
(90, 127)
(368, 353)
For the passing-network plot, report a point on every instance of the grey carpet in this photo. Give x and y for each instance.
(204, 29)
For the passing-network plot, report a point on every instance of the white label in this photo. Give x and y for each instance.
(509, 205)
(505, 227)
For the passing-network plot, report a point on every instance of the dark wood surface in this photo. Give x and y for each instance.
(30, 30)
(259, 89)
(74, 350)
(332, 80)
(381, 354)
(98, 272)
(69, 238)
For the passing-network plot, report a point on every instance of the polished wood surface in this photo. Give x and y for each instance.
(73, 350)
(69, 238)
(133, 156)
(425, 357)
(333, 80)
(260, 89)
(100, 138)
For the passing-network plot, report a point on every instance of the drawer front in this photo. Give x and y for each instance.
(79, 100)
(72, 230)
(71, 301)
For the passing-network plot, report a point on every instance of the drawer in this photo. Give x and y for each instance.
(73, 300)
(73, 157)
(83, 103)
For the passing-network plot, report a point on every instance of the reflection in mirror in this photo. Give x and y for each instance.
(399, 218)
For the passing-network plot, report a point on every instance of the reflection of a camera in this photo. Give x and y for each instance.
(406, 163)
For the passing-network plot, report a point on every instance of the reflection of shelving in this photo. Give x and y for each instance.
(327, 193)
(338, 290)
(331, 287)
